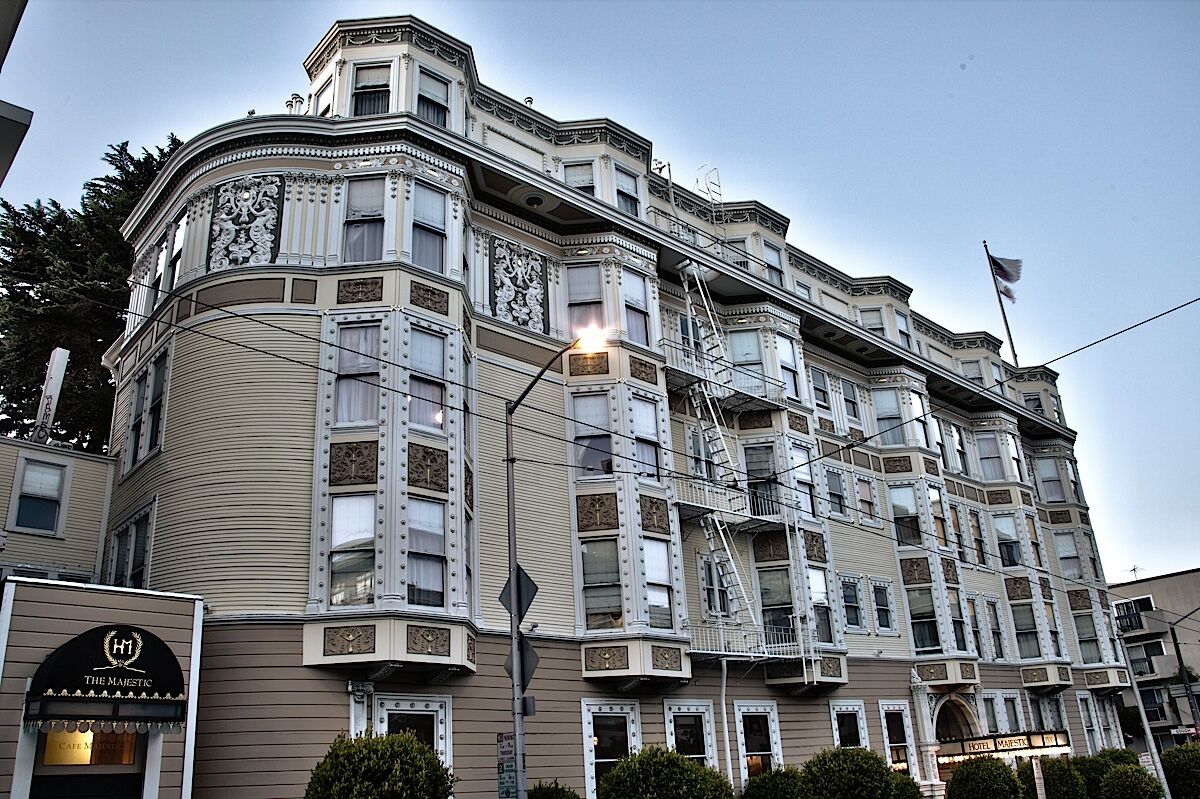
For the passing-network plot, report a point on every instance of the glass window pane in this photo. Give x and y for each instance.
(42, 479)
(774, 587)
(350, 577)
(658, 561)
(37, 513)
(593, 454)
(583, 283)
(600, 562)
(645, 419)
(689, 734)
(611, 732)
(743, 347)
(633, 287)
(848, 729)
(903, 499)
(434, 87)
(352, 520)
(422, 725)
(591, 413)
(428, 353)
(578, 175)
(364, 198)
(626, 182)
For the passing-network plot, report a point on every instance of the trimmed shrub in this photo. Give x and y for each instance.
(983, 778)
(904, 786)
(380, 767)
(655, 773)
(1093, 768)
(848, 773)
(552, 790)
(782, 783)
(1130, 782)
(1182, 768)
(1062, 780)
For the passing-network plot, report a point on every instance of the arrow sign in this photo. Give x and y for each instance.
(526, 590)
(529, 662)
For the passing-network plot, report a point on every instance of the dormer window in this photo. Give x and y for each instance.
(372, 90)
(627, 192)
(323, 106)
(363, 237)
(433, 99)
(903, 331)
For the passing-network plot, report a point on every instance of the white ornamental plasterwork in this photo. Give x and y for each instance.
(519, 275)
(244, 222)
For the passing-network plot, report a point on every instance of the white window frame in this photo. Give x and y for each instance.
(439, 380)
(828, 406)
(628, 304)
(804, 290)
(1093, 736)
(876, 518)
(438, 706)
(882, 331)
(741, 709)
(893, 706)
(905, 331)
(702, 708)
(847, 497)
(615, 707)
(417, 95)
(147, 373)
(445, 231)
(706, 562)
(886, 585)
(64, 492)
(391, 86)
(858, 708)
(128, 528)
(380, 219)
(338, 348)
(591, 162)
(856, 580)
(583, 430)
(637, 183)
(779, 269)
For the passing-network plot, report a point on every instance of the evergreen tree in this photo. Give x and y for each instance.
(61, 271)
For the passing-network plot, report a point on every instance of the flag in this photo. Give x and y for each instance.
(1004, 272)
(1007, 269)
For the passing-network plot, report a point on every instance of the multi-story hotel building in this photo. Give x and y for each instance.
(780, 510)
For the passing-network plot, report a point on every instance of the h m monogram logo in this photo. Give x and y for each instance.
(121, 653)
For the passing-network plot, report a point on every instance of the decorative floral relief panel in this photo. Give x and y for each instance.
(245, 227)
(518, 285)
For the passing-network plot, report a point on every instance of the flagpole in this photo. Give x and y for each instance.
(1012, 348)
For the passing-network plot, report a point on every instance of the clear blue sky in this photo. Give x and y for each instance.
(895, 136)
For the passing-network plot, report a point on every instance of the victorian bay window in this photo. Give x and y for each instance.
(937, 509)
(885, 611)
(1089, 640)
(789, 371)
(904, 514)
(872, 319)
(177, 236)
(637, 307)
(658, 582)
(426, 553)
(372, 90)
(581, 177)
(362, 238)
(850, 400)
(746, 355)
(1050, 481)
(1006, 537)
(593, 441)
(818, 586)
(357, 393)
(1052, 629)
(425, 386)
(1076, 489)
(585, 306)
(960, 538)
(429, 228)
(352, 551)
(995, 630)
(820, 384)
(989, 456)
(923, 616)
(146, 417)
(800, 469)
(866, 499)
(760, 480)
(902, 328)
(977, 534)
(433, 98)
(888, 421)
(774, 260)
(925, 436)
(627, 191)
(1067, 550)
(645, 438)
(973, 620)
(960, 449)
(775, 596)
(957, 623)
(1035, 542)
(972, 371)
(1028, 644)
(836, 489)
(601, 584)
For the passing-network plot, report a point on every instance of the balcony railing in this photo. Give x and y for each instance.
(1141, 666)
(727, 378)
(726, 638)
(709, 494)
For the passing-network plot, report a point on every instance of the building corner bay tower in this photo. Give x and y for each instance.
(780, 510)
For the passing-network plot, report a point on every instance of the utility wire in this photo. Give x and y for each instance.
(673, 473)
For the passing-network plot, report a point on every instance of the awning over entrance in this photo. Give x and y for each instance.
(114, 678)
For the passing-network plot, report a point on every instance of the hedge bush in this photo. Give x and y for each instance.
(1093, 768)
(552, 790)
(904, 786)
(1130, 782)
(380, 767)
(782, 783)
(847, 773)
(1182, 768)
(655, 773)
(983, 778)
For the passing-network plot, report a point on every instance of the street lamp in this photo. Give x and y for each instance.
(589, 340)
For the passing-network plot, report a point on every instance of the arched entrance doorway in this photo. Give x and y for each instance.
(954, 722)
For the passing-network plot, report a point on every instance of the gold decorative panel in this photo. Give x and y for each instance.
(930, 672)
(770, 546)
(825, 424)
(605, 658)
(967, 670)
(353, 462)
(999, 497)
(666, 658)
(915, 570)
(428, 468)
(360, 289)
(931, 466)
(814, 546)
(589, 363)
(1060, 517)
(645, 371)
(1026, 498)
(897, 464)
(429, 641)
(655, 518)
(596, 512)
(831, 667)
(797, 422)
(754, 420)
(1038, 674)
(356, 640)
(950, 571)
(429, 298)
(1018, 588)
(471, 648)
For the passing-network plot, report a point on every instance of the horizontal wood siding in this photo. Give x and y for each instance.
(84, 523)
(45, 617)
(862, 551)
(544, 532)
(233, 481)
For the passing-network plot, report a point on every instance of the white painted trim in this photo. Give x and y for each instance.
(631, 709)
(770, 709)
(113, 588)
(152, 773)
(23, 761)
(189, 737)
(858, 708)
(702, 708)
(900, 706)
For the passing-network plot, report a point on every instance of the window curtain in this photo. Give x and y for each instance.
(372, 77)
(41, 479)
(577, 175)
(434, 88)
(428, 353)
(429, 207)
(583, 283)
(352, 520)
(364, 198)
(591, 414)
(645, 419)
